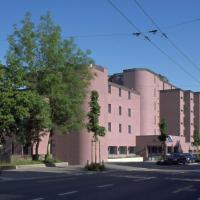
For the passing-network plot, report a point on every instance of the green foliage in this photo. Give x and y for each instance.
(196, 138)
(163, 136)
(31, 128)
(93, 116)
(44, 82)
(95, 167)
(163, 130)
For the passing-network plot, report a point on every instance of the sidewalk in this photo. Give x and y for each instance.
(43, 172)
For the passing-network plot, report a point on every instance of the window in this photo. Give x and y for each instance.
(131, 150)
(129, 95)
(120, 110)
(120, 92)
(129, 112)
(181, 97)
(129, 128)
(109, 108)
(109, 88)
(154, 92)
(120, 128)
(112, 150)
(122, 150)
(109, 126)
(154, 105)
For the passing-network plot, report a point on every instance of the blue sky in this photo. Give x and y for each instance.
(117, 52)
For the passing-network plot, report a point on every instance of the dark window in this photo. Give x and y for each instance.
(109, 126)
(120, 128)
(120, 110)
(131, 150)
(112, 150)
(129, 128)
(129, 112)
(122, 150)
(120, 92)
(109, 108)
(129, 95)
(109, 88)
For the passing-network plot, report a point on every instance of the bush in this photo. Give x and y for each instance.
(49, 160)
(95, 167)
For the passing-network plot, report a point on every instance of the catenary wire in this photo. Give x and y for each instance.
(167, 37)
(150, 41)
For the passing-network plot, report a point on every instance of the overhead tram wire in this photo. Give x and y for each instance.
(151, 42)
(167, 37)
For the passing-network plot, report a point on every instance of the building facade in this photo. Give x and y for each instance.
(132, 104)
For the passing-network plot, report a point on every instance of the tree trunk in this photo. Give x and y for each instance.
(36, 150)
(164, 150)
(49, 142)
(99, 152)
(95, 151)
(91, 151)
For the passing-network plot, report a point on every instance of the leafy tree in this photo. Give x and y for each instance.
(36, 125)
(163, 136)
(93, 117)
(14, 102)
(196, 137)
(55, 69)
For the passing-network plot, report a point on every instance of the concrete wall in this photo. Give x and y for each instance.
(197, 110)
(189, 115)
(76, 148)
(172, 109)
(123, 138)
(148, 84)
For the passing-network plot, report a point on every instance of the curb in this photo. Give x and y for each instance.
(61, 164)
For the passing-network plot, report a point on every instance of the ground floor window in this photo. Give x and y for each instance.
(112, 150)
(154, 149)
(122, 150)
(131, 150)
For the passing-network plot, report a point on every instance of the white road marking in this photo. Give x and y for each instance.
(67, 193)
(183, 179)
(187, 189)
(143, 179)
(54, 180)
(40, 198)
(103, 186)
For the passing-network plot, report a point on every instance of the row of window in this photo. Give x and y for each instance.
(120, 91)
(120, 110)
(120, 127)
(114, 150)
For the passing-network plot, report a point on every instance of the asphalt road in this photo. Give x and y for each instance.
(109, 185)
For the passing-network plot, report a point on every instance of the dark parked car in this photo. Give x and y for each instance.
(187, 158)
(174, 158)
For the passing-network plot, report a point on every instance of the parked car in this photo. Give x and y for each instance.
(187, 158)
(174, 158)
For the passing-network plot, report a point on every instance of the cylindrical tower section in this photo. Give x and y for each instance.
(144, 82)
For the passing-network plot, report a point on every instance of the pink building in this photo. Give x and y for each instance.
(132, 104)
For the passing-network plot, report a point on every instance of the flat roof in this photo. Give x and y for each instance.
(171, 90)
(160, 76)
(123, 87)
